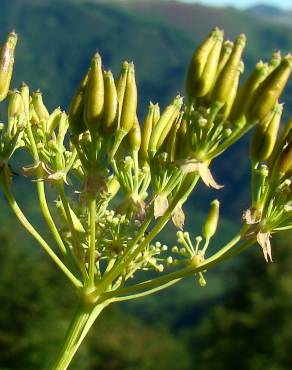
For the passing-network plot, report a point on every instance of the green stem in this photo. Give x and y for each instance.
(254, 188)
(92, 220)
(80, 325)
(28, 226)
(147, 292)
(42, 195)
(136, 172)
(48, 217)
(75, 239)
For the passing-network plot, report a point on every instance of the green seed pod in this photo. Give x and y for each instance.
(270, 90)
(167, 129)
(210, 225)
(76, 121)
(33, 117)
(121, 84)
(53, 120)
(129, 107)
(274, 61)
(62, 128)
(146, 132)
(24, 91)
(265, 136)
(224, 56)
(164, 124)
(233, 91)
(127, 100)
(39, 107)
(156, 114)
(134, 136)
(110, 110)
(6, 64)
(284, 164)
(246, 92)
(182, 141)
(285, 136)
(203, 66)
(94, 94)
(15, 104)
(225, 80)
(171, 145)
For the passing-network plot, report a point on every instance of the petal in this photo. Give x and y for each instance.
(178, 217)
(160, 205)
(207, 177)
(264, 241)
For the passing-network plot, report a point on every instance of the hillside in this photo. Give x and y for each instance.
(57, 40)
(272, 14)
(196, 20)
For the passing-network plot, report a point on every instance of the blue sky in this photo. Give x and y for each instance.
(285, 4)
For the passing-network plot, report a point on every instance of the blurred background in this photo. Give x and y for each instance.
(242, 318)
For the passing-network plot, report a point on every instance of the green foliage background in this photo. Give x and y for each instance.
(242, 318)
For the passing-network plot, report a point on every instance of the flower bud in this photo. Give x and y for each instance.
(203, 66)
(246, 92)
(265, 136)
(225, 81)
(94, 94)
(76, 121)
(39, 107)
(210, 225)
(129, 107)
(164, 124)
(110, 110)
(6, 64)
(134, 136)
(270, 90)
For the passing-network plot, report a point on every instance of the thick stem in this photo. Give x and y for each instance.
(82, 321)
